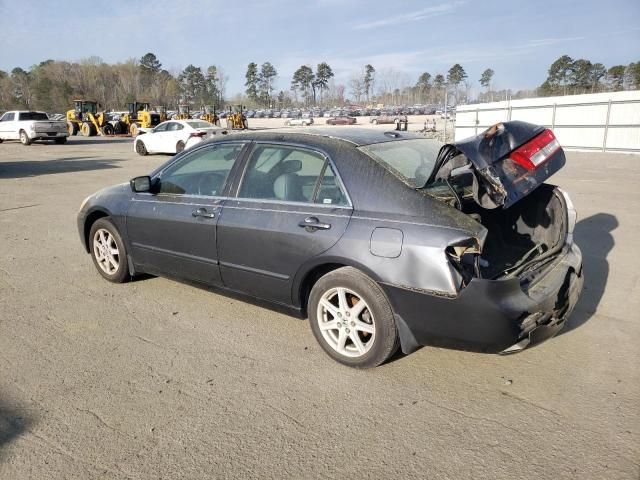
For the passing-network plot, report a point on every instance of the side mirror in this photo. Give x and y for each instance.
(140, 184)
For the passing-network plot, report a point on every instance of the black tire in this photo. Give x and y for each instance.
(385, 342)
(87, 129)
(60, 140)
(24, 138)
(108, 130)
(179, 146)
(121, 274)
(72, 128)
(374, 121)
(141, 148)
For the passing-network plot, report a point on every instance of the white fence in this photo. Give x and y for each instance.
(608, 122)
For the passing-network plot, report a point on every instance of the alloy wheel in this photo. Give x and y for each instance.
(346, 322)
(105, 250)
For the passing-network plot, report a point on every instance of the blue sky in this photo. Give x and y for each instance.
(517, 39)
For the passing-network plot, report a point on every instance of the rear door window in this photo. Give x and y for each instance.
(291, 174)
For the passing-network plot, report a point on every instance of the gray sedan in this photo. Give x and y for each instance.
(382, 239)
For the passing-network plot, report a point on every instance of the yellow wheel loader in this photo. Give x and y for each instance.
(139, 117)
(236, 119)
(162, 111)
(184, 113)
(85, 118)
(210, 115)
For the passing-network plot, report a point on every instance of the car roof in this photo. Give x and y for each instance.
(353, 135)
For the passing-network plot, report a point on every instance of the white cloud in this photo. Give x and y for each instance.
(422, 14)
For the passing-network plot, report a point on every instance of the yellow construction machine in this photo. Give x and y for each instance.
(184, 113)
(162, 111)
(236, 119)
(138, 117)
(210, 115)
(85, 118)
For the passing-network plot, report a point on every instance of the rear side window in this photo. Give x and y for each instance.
(291, 174)
(410, 160)
(33, 116)
(203, 172)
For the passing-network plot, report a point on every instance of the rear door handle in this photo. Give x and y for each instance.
(311, 224)
(202, 212)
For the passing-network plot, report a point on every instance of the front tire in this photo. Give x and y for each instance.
(134, 130)
(86, 129)
(108, 251)
(24, 138)
(72, 128)
(352, 320)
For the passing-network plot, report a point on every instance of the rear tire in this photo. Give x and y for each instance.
(179, 146)
(354, 334)
(141, 148)
(24, 138)
(134, 130)
(108, 251)
(108, 130)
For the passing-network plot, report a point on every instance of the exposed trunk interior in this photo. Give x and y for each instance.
(522, 237)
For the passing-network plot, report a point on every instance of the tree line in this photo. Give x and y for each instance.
(53, 85)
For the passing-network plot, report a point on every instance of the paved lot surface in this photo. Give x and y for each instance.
(156, 379)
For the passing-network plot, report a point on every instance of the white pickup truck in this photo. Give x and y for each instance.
(28, 126)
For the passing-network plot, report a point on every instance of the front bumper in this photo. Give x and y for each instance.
(495, 316)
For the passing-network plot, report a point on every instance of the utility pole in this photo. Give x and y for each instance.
(446, 90)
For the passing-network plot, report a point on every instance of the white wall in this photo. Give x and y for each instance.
(600, 121)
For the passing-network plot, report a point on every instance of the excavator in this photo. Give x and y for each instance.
(138, 117)
(210, 115)
(85, 118)
(236, 119)
(184, 113)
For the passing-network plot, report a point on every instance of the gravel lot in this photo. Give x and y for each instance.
(158, 379)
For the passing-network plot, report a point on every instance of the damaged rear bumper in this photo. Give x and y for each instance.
(496, 316)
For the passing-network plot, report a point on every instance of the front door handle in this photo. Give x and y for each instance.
(311, 224)
(202, 212)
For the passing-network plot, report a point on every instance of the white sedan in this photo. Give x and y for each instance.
(304, 120)
(173, 136)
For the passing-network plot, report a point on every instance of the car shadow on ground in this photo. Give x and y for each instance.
(593, 236)
(29, 168)
(12, 424)
(98, 141)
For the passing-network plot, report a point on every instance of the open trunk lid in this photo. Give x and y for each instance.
(509, 160)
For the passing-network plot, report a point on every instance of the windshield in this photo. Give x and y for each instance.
(411, 160)
(33, 116)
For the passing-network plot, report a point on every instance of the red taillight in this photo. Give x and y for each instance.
(198, 134)
(537, 151)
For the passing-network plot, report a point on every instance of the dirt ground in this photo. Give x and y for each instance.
(158, 379)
